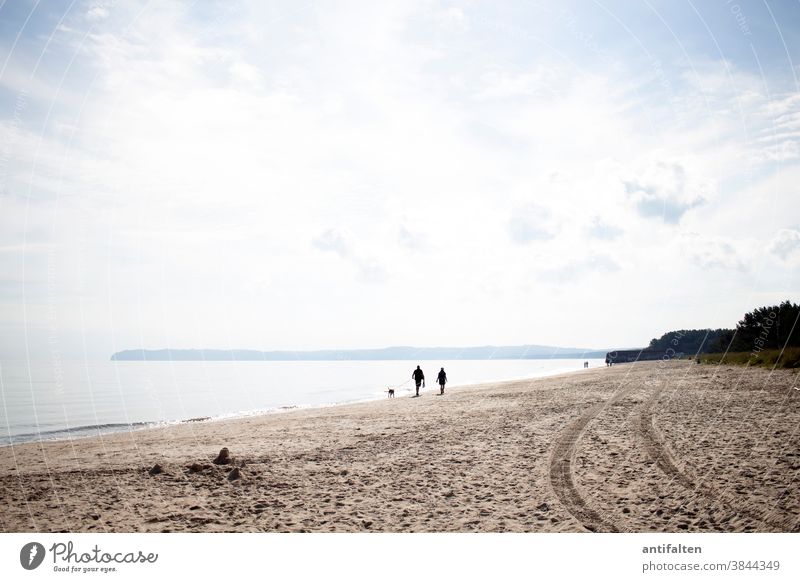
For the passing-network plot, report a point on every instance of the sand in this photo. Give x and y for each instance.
(665, 447)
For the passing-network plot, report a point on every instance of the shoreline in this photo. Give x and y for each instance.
(68, 434)
(643, 447)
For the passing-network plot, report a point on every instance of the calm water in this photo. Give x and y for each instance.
(40, 401)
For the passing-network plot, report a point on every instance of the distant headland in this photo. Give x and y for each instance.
(532, 352)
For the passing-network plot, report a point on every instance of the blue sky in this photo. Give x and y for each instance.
(309, 175)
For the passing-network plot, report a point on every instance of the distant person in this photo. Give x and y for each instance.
(442, 380)
(586, 364)
(419, 378)
(608, 360)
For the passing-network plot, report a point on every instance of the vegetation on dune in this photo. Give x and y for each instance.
(790, 358)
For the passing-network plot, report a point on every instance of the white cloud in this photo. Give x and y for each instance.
(661, 191)
(246, 73)
(712, 252)
(531, 223)
(602, 230)
(97, 12)
(411, 238)
(451, 19)
(547, 80)
(785, 244)
(573, 271)
(343, 243)
(336, 240)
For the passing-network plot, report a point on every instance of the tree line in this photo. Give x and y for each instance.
(764, 328)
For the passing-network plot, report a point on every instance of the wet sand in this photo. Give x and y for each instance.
(655, 446)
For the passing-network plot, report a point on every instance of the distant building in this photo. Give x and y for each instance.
(641, 355)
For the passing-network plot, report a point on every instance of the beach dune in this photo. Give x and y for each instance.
(655, 446)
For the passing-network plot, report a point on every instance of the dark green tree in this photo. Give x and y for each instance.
(723, 342)
(690, 341)
(768, 328)
(765, 328)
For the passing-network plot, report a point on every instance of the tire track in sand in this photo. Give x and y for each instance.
(659, 451)
(562, 478)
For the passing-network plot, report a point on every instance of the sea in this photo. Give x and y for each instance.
(43, 401)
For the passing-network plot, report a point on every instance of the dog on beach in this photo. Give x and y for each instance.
(391, 392)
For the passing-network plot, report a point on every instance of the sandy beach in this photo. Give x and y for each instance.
(654, 446)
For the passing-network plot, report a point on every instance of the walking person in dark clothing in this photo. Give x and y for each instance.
(419, 378)
(442, 380)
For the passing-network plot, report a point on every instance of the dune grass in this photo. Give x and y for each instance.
(790, 358)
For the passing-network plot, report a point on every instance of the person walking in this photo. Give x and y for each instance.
(419, 378)
(442, 380)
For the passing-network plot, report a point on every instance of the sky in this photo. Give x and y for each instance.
(306, 175)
